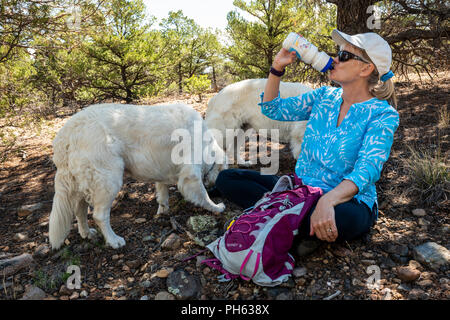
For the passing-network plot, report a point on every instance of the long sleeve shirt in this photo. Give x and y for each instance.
(356, 150)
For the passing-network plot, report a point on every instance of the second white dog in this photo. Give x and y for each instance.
(237, 104)
(96, 146)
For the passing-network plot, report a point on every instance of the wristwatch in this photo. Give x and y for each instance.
(276, 72)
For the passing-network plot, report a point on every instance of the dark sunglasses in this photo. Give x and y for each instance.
(345, 56)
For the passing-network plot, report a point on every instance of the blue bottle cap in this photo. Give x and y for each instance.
(298, 54)
(328, 66)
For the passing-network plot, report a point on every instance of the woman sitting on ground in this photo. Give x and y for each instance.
(348, 138)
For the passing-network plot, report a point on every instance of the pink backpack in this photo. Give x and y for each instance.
(257, 242)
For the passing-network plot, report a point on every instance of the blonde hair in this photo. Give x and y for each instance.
(383, 90)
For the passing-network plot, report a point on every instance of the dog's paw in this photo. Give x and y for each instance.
(89, 233)
(219, 207)
(116, 242)
(162, 209)
(92, 234)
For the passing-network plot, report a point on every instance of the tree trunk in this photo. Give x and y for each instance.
(180, 79)
(214, 78)
(352, 16)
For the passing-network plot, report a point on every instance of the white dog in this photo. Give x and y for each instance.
(96, 146)
(237, 104)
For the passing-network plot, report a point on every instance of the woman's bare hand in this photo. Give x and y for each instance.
(323, 223)
(283, 58)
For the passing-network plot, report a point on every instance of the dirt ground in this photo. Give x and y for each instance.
(140, 268)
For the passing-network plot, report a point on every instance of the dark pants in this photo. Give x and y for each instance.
(246, 187)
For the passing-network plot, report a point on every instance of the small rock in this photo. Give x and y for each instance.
(399, 259)
(83, 294)
(26, 210)
(206, 237)
(206, 271)
(183, 285)
(144, 298)
(74, 296)
(387, 263)
(342, 252)
(289, 283)
(133, 264)
(33, 293)
(425, 283)
(299, 272)
(427, 275)
(115, 257)
(140, 220)
(408, 273)
(180, 256)
(432, 254)
(148, 238)
(445, 228)
(274, 292)
(368, 255)
(284, 296)
(419, 212)
(400, 250)
(172, 242)
(202, 223)
(368, 262)
(20, 236)
(164, 295)
(163, 273)
(357, 282)
(416, 265)
(12, 265)
(64, 291)
(423, 222)
(41, 251)
(417, 294)
(404, 287)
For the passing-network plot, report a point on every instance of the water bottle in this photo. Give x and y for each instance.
(308, 52)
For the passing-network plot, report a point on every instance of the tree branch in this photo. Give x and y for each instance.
(416, 34)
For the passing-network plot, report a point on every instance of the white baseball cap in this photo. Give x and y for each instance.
(375, 46)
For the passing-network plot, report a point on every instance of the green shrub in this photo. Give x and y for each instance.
(197, 85)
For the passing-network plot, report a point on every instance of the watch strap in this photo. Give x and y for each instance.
(276, 72)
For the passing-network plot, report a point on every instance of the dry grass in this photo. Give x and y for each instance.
(430, 173)
(444, 118)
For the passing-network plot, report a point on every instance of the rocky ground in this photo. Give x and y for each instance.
(407, 249)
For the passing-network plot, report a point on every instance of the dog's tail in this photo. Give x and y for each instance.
(62, 213)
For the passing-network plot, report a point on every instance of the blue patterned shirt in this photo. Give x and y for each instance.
(356, 150)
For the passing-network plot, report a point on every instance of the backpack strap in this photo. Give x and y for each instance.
(245, 262)
(216, 264)
(284, 183)
(195, 255)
